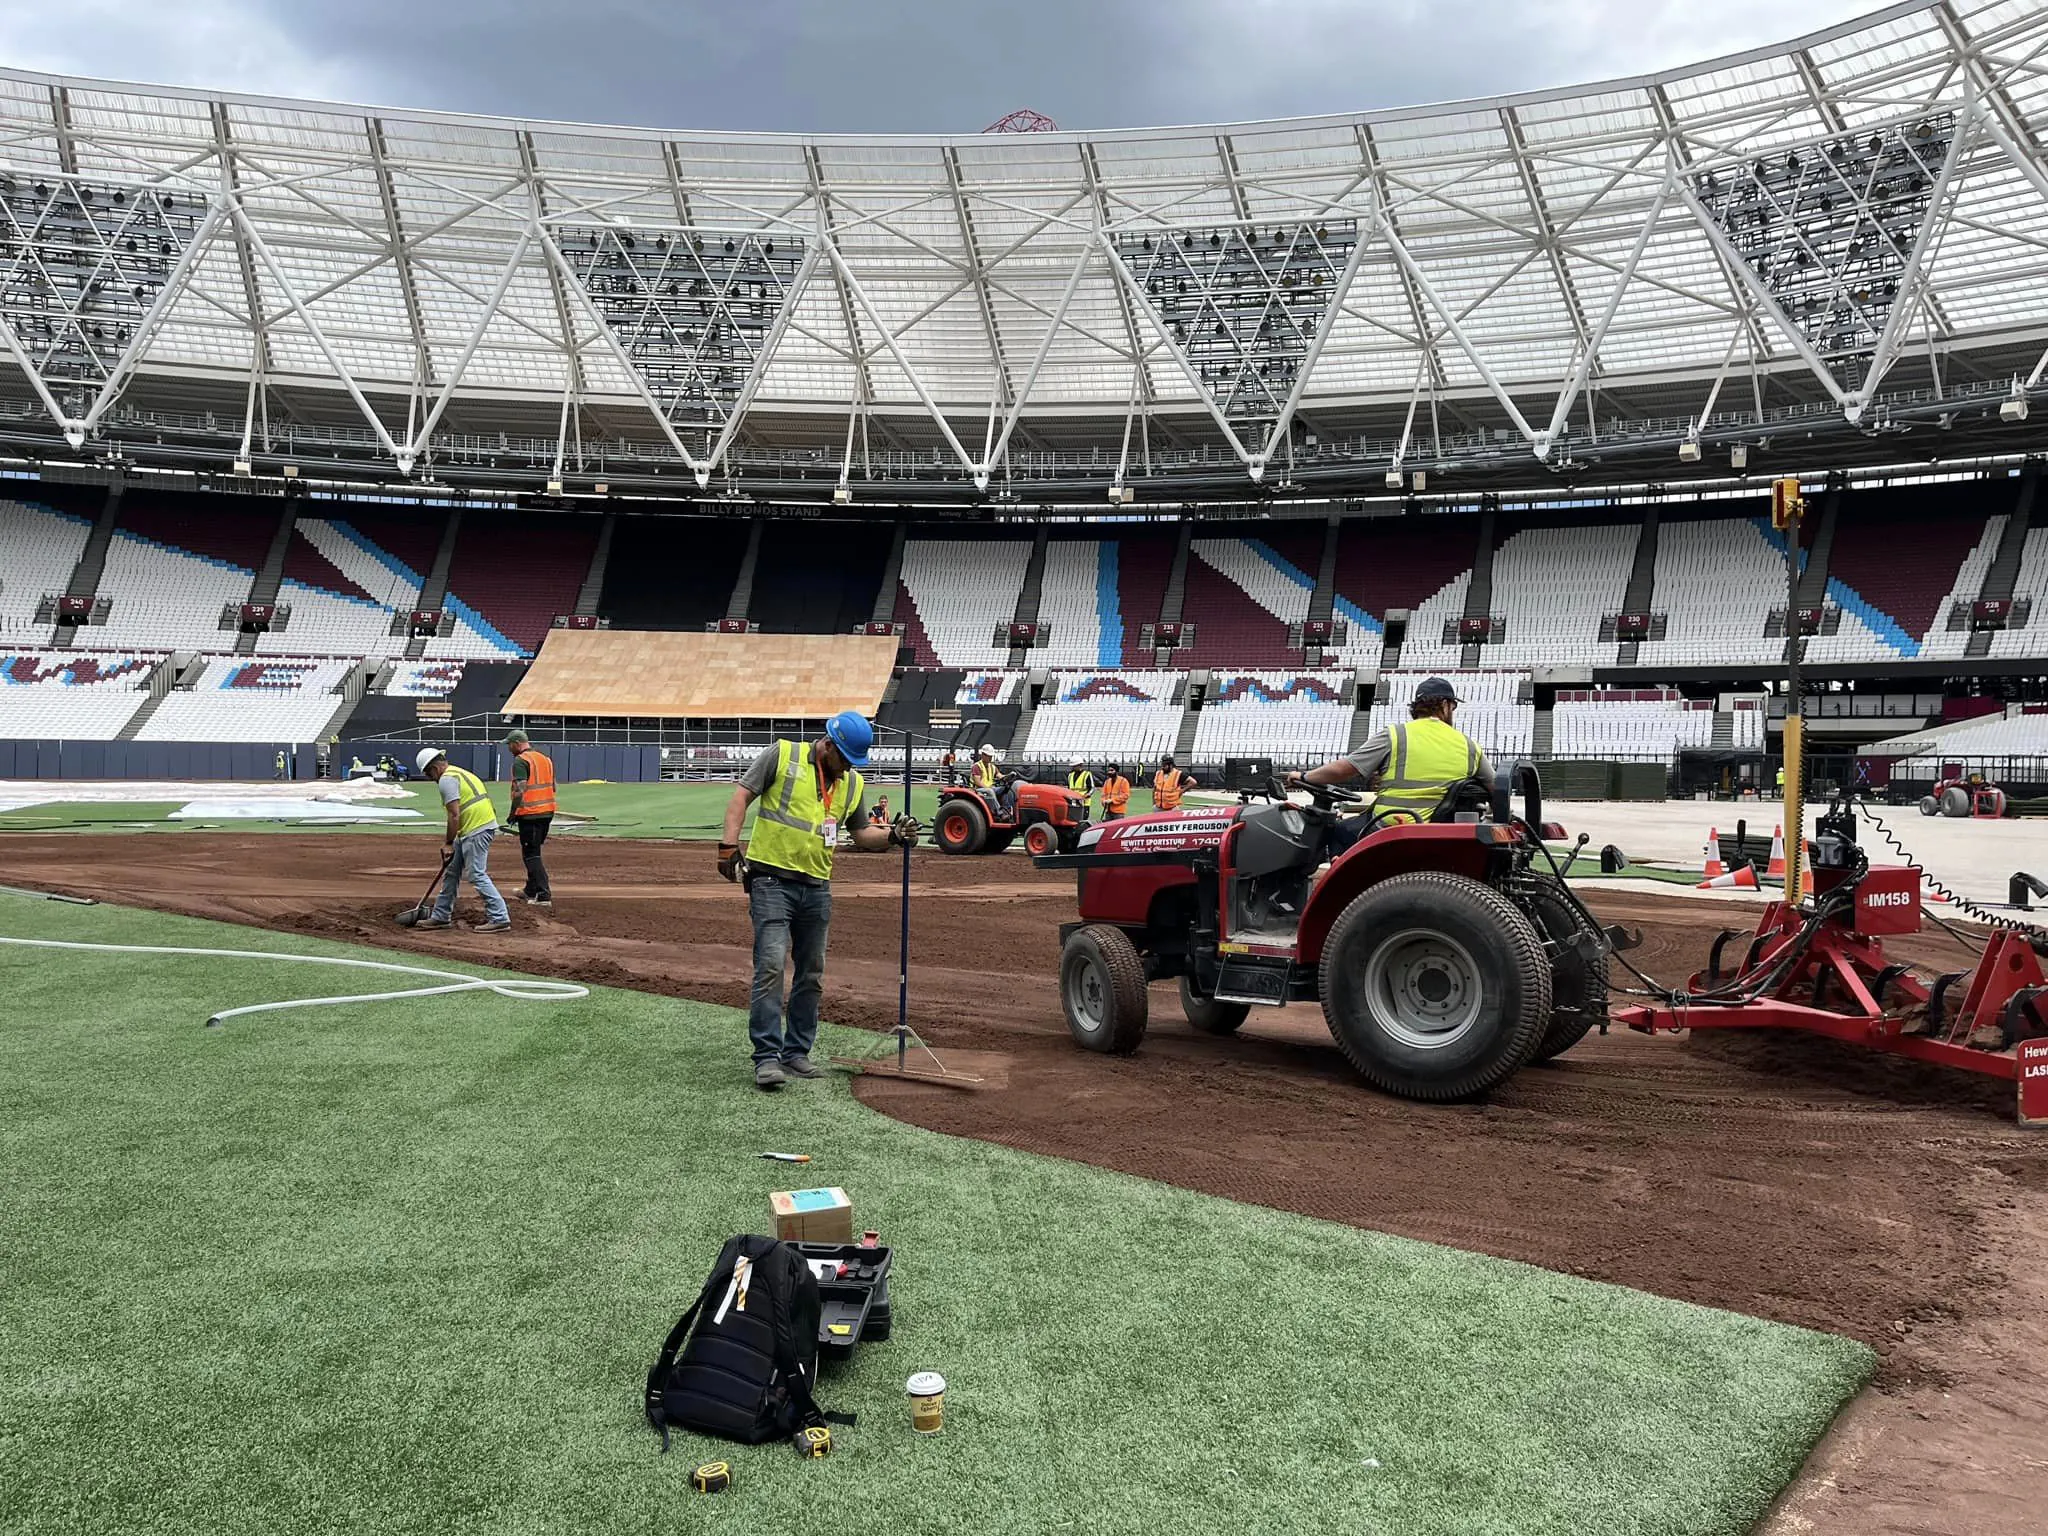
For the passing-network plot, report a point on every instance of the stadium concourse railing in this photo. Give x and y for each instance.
(79, 761)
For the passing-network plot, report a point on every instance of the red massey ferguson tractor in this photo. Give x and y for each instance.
(1447, 955)
(1049, 818)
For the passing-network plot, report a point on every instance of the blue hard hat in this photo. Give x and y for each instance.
(1436, 688)
(850, 732)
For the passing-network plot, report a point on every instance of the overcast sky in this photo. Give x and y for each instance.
(889, 65)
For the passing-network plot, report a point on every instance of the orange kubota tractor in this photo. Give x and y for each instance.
(1049, 817)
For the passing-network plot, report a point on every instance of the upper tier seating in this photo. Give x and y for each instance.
(1080, 603)
(1098, 715)
(1943, 643)
(166, 598)
(988, 688)
(510, 574)
(1717, 582)
(956, 594)
(2031, 585)
(39, 549)
(819, 578)
(344, 591)
(1295, 717)
(1896, 557)
(1643, 724)
(71, 695)
(672, 572)
(1553, 586)
(1244, 594)
(1386, 564)
(242, 698)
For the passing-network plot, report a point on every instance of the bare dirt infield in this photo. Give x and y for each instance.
(1788, 1178)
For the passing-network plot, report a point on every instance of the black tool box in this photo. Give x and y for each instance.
(853, 1290)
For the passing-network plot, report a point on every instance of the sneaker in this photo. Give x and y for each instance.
(768, 1074)
(540, 901)
(801, 1066)
(433, 922)
(502, 925)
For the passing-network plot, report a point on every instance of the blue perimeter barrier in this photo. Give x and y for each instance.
(210, 760)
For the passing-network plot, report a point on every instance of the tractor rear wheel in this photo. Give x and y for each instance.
(1208, 1015)
(962, 826)
(1041, 837)
(1578, 990)
(1435, 986)
(1955, 801)
(1102, 988)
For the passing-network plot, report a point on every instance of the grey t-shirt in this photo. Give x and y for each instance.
(761, 773)
(1377, 750)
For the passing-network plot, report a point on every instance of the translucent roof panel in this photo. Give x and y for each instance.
(1514, 249)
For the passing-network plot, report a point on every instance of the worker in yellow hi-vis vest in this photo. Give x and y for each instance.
(804, 793)
(1412, 766)
(472, 823)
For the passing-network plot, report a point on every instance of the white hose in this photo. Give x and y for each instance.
(524, 989)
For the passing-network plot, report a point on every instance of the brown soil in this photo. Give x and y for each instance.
(1782, 1176)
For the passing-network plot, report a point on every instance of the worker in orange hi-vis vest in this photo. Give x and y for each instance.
(533, 812)
(1169, 784)
(1116, 793)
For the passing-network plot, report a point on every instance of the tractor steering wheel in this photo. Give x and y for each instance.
(1325, 797)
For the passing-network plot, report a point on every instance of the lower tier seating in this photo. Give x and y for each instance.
(71, 695)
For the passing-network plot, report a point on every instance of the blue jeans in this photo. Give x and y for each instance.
(789, 919)
(473, 858)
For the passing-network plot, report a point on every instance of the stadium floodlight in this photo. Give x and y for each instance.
(2014, 406)
(554, 487)
(1689, 450)
(243, 467)
(842, 495)
(291, 471)
(1394, 480)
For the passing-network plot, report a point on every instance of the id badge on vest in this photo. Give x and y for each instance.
(829, 832)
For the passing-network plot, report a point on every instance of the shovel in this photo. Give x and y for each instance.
(418, 909)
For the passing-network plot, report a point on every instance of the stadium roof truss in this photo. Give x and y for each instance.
(1858, 219)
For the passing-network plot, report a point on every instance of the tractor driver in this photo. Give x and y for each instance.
(988, 776)
(1411, 766)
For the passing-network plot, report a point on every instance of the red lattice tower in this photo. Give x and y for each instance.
(1023, 120)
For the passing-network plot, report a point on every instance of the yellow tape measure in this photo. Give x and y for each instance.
(813, 1441)
(712, 1477)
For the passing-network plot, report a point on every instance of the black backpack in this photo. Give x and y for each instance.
(746, 1370)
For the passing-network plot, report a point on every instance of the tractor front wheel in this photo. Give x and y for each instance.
(1435, 986)
(1041, 838)
(1102, 987)
(1208, 1015)
(962, 826)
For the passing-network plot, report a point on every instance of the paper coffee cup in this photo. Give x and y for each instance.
(927, 1391)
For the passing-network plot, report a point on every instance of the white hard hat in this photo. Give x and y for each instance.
(426, 758)
(985, 750)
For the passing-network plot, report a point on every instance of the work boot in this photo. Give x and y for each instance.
(431, 921)
(801, 1066)
(768, 1074)
(500, 925)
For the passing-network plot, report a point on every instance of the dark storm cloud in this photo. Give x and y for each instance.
(889, 65)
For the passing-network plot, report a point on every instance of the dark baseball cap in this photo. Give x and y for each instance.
(1436, 688)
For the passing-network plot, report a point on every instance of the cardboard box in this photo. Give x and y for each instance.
(812, 1215)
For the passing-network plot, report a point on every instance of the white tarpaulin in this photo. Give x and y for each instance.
(289, 810)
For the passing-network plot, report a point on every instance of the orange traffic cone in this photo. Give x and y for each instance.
(1711, 866)
(1742, 878)
(1934, 895)
(1776, 868)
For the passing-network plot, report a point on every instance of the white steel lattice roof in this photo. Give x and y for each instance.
(1526, 255)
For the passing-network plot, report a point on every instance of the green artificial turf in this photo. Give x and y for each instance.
(402, 1268)
(690, 811)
